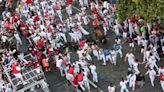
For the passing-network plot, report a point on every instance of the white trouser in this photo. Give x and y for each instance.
(132, 84)
(61, 71)
(114, 58)
(124, 89)
(94, 74)
(130, 62)
(152, 65)
(19, 41)
(96, 54)
(108, 57)
(143, 35)
(86, 84)
(156, 55)
(152, 78)
(119, 52)
(102, 57)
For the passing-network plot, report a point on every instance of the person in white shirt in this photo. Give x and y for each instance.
(155, 53)
(135, 66)
(116, 30)
(85, 19)
(131, 30)
(132, 81)
(144, 44)
(152, 75)
(18, 39)
(76, 66)
(85, 80)
(146, 55)
(111, 88)
(123, 85)
(152, 62)
(86, 3)
(102, 56)
(80, 53)
(81, 28)
(59, 65)
(114, 56)
(61, 35)
(69, 10)
(130, 56)
(95, 51)
(139, 39)
(93, 72)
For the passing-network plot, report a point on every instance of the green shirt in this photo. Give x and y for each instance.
(143, 29)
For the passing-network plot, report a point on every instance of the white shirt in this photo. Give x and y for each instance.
(123, 84)
(93, 68)
(16, 36)
(152, 73)
(144, 42)
(135, 65)
(130, 56)
(111, 89)
(80, 53)
(161, 71)
(58, 63)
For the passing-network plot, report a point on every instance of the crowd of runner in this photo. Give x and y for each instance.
(41, 23)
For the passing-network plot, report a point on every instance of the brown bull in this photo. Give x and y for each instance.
(100, 35)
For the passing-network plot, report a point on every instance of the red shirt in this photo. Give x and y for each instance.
(40, 43)
(80, 77)
(33, 51)
(69, 1)
(82, 44)
(14, 68)
(95, 23)
(36, 18)
(71, 70)
(75, 81)
(28, 2)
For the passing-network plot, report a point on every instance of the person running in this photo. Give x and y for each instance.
(152, 75)
(123, 85)
(93, 72)
(131, 58)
